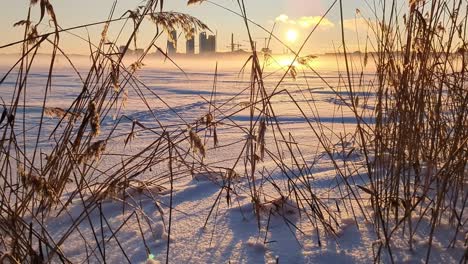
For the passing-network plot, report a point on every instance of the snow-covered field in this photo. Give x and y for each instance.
(212, 222)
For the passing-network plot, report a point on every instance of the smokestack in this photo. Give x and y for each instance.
(232, 42)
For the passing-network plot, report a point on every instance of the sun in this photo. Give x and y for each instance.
(291, 35)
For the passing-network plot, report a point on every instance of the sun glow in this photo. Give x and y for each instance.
(291, 35)
(287, 61)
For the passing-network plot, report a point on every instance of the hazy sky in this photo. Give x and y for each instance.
(291, 15)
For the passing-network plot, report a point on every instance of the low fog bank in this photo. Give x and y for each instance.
(207, 64)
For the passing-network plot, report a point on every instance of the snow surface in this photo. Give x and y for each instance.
(231, 233)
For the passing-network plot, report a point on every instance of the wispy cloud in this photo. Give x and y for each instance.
(357, 24)
(306, 21)
(282, 18)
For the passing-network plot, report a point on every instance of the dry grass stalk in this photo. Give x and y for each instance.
(293, 72)
(115, 77)
(93, 152)
(282, 206)
(136, 66)
(208, 119)
(125, 189)
(306, 60)
(231, 175)
(196, 142)
(57, 112)
(192, 2)
(172, 20)
(8, 258)
(124, 98)
(415, 3)
(37, 183)
(261, 138)
(94, 119)
(215, 136)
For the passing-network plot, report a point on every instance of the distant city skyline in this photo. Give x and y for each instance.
(298, 16)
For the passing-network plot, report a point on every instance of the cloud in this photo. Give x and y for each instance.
(306, 21)
(282, 18)
(309, 21)
(360, 24)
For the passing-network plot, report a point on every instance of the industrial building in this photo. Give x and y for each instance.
(172, 42)
(190, 43)
(207, 43)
